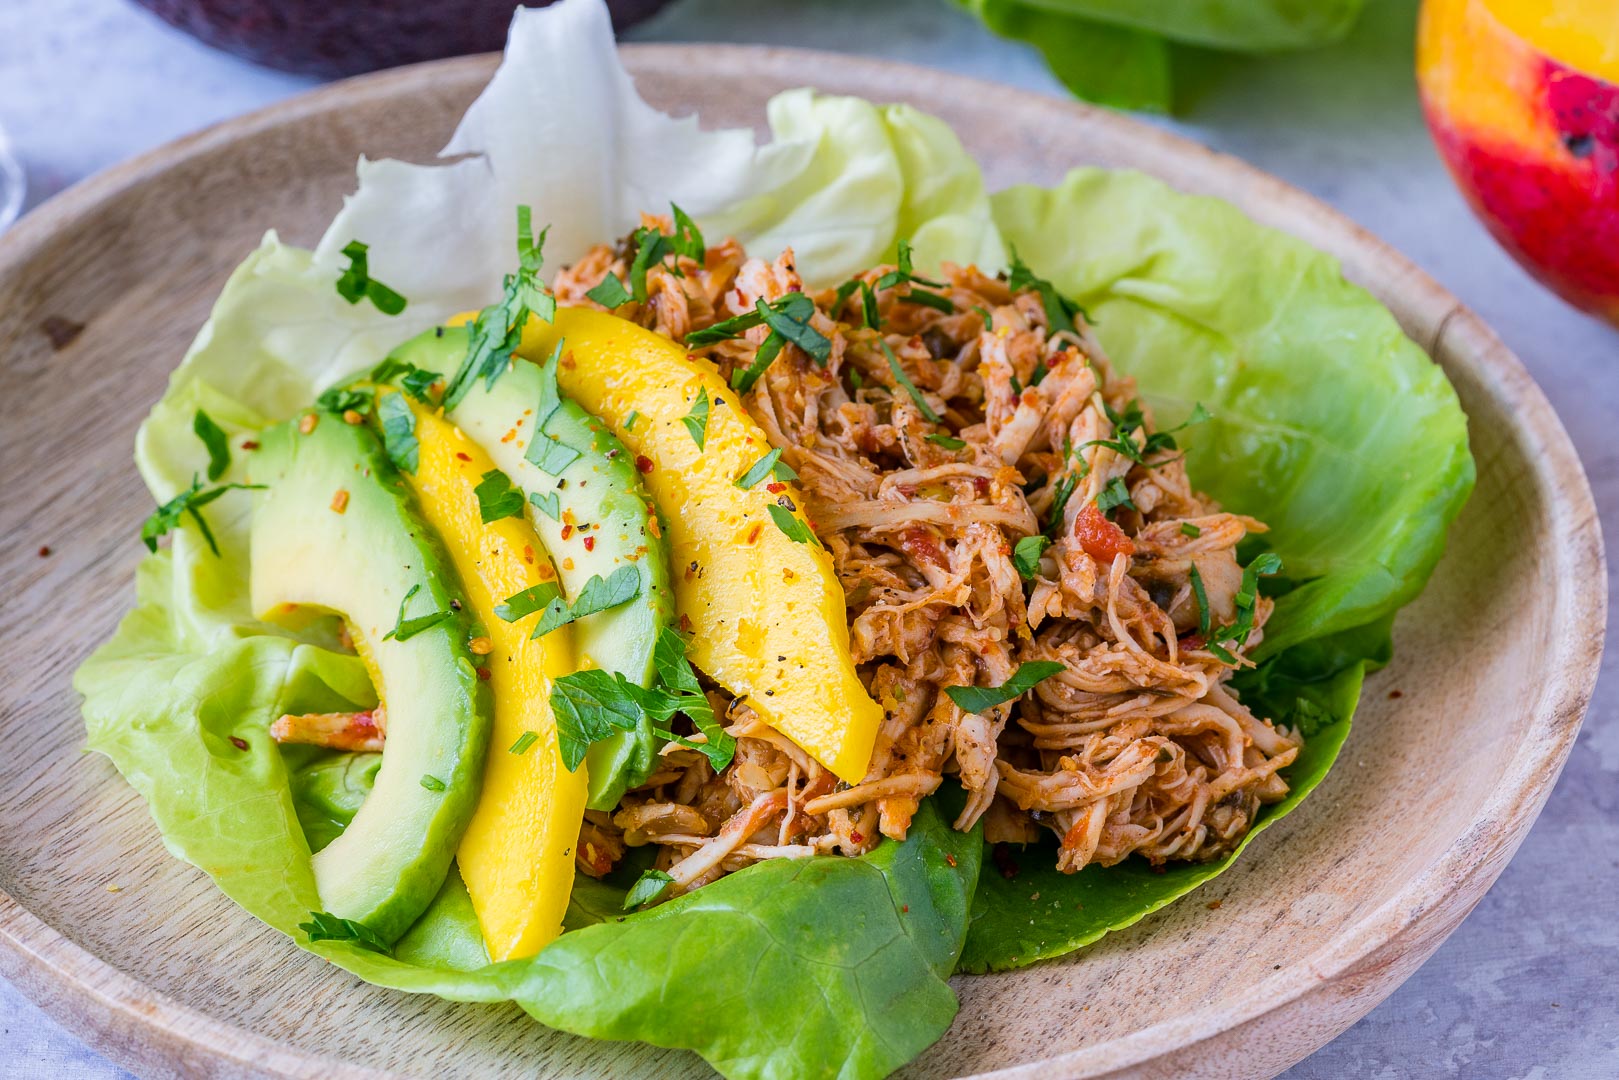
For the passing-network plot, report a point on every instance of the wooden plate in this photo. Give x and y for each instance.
(1317, 923)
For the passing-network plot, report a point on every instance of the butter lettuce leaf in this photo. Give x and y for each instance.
(821, 966)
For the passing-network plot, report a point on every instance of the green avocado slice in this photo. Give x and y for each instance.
(594, 492)
(336, 531)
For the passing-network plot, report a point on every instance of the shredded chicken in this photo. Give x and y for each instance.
(1013, 431)
(358, 731)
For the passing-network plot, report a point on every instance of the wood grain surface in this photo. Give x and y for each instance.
(101, 290)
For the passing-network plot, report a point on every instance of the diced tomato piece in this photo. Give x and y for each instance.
(1100, 538)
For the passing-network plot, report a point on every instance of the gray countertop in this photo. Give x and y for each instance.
(1526, 987)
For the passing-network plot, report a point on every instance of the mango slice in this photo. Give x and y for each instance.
(516, 855)
(766, 612)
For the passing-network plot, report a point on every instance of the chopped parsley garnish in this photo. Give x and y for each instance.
(497, 498)
(949, 442)
(341, 399)
(189, 502)
(550, 454)
(356, 282)
(794, 529)
(324, 926)
(213, 437)
(696, 420)
(688, 238)
(532, 599)
(868, 308)
(742, 379)
(1188, 529)
(548, 503)
(610, 293)
(399, 432)
(405, 629)
(647, 888)
(432, 783)
(629, 421)
(652, 247)
(1114, 495)
(591, 704)
(929, 299)
(783, 472)
(498, 330)
(980, 699)
(989, 320)
(905, 381)
(1060, 310)
(1224, 641)
(758, 470)
(1026, 555)
(524, 741)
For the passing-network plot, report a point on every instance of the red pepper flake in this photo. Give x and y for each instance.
(238, 742)
(643, 464)
(567, 531)
(685, 623)
(1100, 538)
(483, 674)
(528, 553)
(856, 838)
(775, 487)
(753, 534)
(249, 444)
(459, 456)
(590, 543)
(981, 485)
(905, 909)
(44, 551)
(1394, 695)
(1214, 905)
(951, 859)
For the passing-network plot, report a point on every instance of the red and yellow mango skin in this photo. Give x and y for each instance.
(1522, 97)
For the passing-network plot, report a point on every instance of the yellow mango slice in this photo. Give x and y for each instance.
(766, 613)
(516, 855)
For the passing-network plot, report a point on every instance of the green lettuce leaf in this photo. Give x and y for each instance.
(855, 951)
(1329, 423)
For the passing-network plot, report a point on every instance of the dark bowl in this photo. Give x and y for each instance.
(334, 38)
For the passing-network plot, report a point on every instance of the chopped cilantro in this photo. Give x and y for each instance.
(598, 594)
(794, 529)
(189, 502)
(610, 293)
(405, 629)
(1026, 555)
(399, 432)
(1060, 310)
(523, 743)
(758, 470)
(324, 926)
(498, 329)
(980, 699)
(947, 441)
(688, 238)
(904, 380)
(1245, 601)
(1188, 529)
(1114, 495)
(356, 282)
(1201, 595)
(340, 399)
(696, 420)
(629, 421)
(497, 498)
(214, 439)
(549, 504)
(647, 888)
(902, 272)
(532, 599)
(869, 314)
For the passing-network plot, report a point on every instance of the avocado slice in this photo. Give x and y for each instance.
(336, 532)
(599, 489)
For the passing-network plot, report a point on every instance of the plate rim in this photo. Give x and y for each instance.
(57, 973)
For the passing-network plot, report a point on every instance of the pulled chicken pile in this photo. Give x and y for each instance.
(992, 494)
